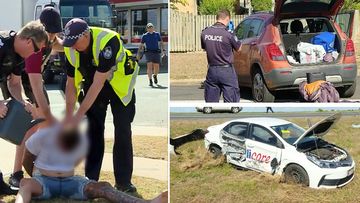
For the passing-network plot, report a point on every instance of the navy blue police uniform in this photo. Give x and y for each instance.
(221, 77)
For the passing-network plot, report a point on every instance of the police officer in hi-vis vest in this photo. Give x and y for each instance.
(100, 72)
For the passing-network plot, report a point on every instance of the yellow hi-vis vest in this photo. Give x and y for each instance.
(123, 83)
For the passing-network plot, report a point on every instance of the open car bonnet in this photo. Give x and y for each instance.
(306, 8)
(320, 128)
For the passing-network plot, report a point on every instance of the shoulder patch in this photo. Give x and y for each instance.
(107, 52)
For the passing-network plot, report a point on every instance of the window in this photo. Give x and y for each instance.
(242, 30)
(164, 24)
(139, 20)
(237, 129)
(263, 135)
(38, 12)
(123, 24)
(255, 28)
(289, 132)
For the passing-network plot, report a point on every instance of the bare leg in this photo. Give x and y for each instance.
(156, 68)
(28, 188)
(149, 66)
(105, 190)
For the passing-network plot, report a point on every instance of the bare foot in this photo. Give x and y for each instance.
(162, 198)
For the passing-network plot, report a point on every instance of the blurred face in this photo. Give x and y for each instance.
(52, 36)
(27, 47)
(82, 43)
(227, 20)
(150, 29)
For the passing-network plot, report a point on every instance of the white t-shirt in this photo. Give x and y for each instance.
(49, 156)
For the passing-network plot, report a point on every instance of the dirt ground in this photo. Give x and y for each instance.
(192, 66)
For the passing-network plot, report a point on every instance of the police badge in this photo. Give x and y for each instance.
(107, 52)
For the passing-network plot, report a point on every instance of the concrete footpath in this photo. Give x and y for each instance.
(151, 120)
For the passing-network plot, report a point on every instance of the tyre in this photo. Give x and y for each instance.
(207, 110)
(235, 109)
(259, 90)
(215, 151)
(296, 174)
(348, 91)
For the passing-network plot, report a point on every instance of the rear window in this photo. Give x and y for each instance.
(309, 25)
(308, 1)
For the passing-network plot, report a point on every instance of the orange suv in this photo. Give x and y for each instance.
(269, 60)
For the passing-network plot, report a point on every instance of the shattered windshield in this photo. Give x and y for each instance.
(289, 132)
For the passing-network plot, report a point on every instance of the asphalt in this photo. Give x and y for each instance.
(151, 119)
(191, 91)
(201, 116)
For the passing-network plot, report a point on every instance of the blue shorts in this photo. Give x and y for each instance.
(153, 57)
(69, 187)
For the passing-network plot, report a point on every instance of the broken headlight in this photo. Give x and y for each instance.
(321, 163)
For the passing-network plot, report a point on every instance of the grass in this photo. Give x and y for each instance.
(196, 177)
(148, 188)
(153, 147)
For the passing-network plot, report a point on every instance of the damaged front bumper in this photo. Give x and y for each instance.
(337, 178)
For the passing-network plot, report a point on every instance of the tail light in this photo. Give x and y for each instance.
(350, 49)
(274, 52)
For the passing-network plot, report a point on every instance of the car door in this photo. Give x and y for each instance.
(346, 21)
(248, 32)
(232, 137)
(263, 149)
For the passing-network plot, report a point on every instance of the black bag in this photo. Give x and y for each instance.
(312, 77)
(16, 122)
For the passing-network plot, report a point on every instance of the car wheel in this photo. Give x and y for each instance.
(259, 90)
(215, 151)
(235, 109)
(207, 110)
(296, 174)
(348, 91)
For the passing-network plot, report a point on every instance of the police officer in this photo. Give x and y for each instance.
(14, 47)
(99, 66)
(219, 44)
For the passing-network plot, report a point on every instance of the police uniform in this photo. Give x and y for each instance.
(105, 53)
(221, 76)
(12, 63)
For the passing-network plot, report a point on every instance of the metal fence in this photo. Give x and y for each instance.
(185, 30)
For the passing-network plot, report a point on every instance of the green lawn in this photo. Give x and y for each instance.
(196, 177)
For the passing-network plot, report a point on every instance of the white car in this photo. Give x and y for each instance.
(211, 109)
(280, 147)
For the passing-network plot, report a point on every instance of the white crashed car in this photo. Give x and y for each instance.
(280, 147)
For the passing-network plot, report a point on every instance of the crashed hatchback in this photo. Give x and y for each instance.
(280, 147)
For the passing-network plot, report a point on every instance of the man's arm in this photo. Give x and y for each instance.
(140, 51)
(15, 87)
(93, 92)
(28, 161)
(70, 96)
(37, 87)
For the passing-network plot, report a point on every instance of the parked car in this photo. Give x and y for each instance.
(268, 39)
(278, 146)
(212, 109)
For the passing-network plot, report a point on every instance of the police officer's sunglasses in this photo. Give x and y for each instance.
(36, 48)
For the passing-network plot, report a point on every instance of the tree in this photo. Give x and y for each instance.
(351, 5)
(174, 2)
(261, 5)
(211, 7)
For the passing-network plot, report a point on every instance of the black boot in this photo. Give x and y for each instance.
(5, 188)
(155, 79)
(150, 83)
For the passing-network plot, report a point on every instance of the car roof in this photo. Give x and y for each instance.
(264, 121)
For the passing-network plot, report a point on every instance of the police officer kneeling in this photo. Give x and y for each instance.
(219, 44)
(99, 66)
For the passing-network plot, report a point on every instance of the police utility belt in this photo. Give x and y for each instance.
(222, 66)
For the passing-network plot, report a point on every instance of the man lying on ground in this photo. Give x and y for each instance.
(51, 156)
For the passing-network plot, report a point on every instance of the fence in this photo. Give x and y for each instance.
(185, 30)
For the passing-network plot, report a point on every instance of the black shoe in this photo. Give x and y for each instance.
(15, 179)
(129, 188)
(155, 79)
(150, 83)
(5, 188)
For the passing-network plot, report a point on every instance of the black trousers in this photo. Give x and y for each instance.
(122, 149)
